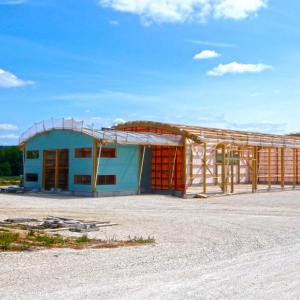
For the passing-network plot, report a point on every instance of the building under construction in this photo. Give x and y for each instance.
(153, 157)
(214, 160)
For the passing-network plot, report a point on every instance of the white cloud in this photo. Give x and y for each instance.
(237, 9)
(87, 111)
(211, 118)
(119, 121)
(263, 126)
(114, 22)
(105, 95)
(235, 67)
(186, 10)
(8, 127)
(210, 43)
(254, 95)
(205, 54)
(9, 136)
(8, 80)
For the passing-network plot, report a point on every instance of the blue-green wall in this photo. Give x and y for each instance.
(124, 166)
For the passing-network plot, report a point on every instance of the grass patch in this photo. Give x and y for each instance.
(13, 238)
(9, 180)
(141, 240)
(83, 239)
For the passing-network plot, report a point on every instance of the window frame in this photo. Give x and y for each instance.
(80, 179)
(35, 174)
(106, 179)
(36, 154)
(83, 152)
(105, 152)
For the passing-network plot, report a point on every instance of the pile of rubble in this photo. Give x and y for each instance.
(57, 224)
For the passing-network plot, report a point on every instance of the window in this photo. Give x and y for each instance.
(83, 179)
(107, 152)
(233, 158)
(32, 154)
(32, 177)
(83, 152)
(106, 180)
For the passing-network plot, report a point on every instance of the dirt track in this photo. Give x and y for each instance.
(238, 247)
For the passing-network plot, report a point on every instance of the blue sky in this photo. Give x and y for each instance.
(216, 63)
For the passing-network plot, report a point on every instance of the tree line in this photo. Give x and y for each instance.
(11, 161)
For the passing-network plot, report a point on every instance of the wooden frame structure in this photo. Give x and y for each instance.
(220, 160)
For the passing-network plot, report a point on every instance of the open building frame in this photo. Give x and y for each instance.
(215, 160)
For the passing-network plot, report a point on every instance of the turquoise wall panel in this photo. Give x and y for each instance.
(124, 166)
(60, 139)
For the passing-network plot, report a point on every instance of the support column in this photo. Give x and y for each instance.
(277, 162)
(223, 169)
(269, 168)
(254, 169)
(239, 165)
(282, 168)
(294, 168)
(216, 165)
(184, 168)
(56, 168)
(95, 165)
(141, 170)
(232, 171)
(297, 166)
(170, 170)
(204, 168)
(191, 165)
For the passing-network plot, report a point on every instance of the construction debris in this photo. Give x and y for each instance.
(201, 196)
(57, 224)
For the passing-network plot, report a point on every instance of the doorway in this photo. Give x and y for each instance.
(56, 169)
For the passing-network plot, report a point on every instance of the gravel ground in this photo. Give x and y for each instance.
(237, 247)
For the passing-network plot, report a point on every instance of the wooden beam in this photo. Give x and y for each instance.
(232, 172)
(191, 165)
(184, 167)
(204, 168)
(239, 166)
(254, 169)
(223, 169)
(170, 168)
(297, 161)
(282, 168)
(277, 162)
(294, 168)
(56, 168)
(216, 164)
(95, 163)
(269, 168)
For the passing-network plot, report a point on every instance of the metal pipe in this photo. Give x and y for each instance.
(173, 166)
(141, 170)
(98, 162)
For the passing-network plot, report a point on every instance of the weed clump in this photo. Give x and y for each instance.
(13, 238)
(83, 239)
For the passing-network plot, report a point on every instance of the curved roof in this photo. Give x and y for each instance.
(206, 134)
(110, 136)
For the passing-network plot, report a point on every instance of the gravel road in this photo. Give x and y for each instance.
(237, 247)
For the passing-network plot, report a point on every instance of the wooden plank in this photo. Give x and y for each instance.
(204, 168)
(282, 168)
